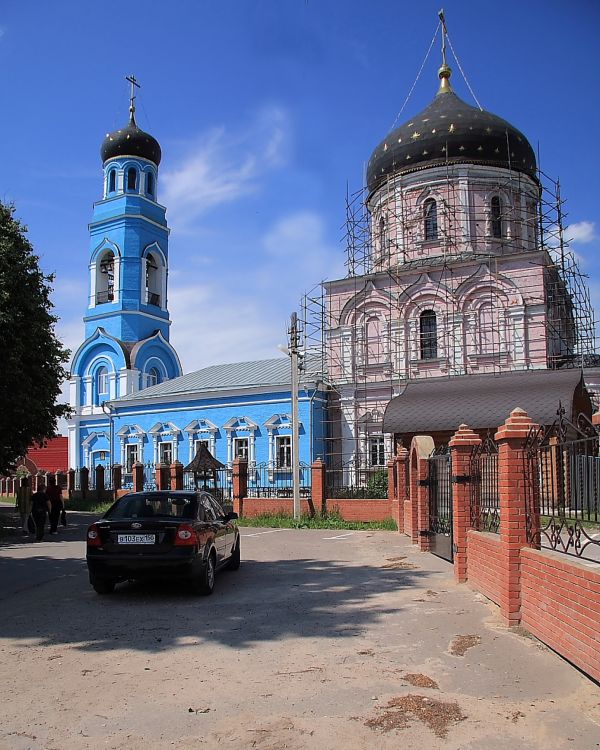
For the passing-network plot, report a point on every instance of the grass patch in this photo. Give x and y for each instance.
(283, 520)
(88, 505)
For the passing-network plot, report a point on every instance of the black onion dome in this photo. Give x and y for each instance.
(131, 141)
(450, 131)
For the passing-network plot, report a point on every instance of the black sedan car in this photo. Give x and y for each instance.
(178, 535)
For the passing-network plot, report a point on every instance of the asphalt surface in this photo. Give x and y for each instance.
(323, 639)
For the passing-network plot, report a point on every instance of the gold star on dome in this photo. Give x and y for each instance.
(480, 148)
(433, 131)
(488, 130)
(424, 153)
(451, 129)
(385, 146)
(497, 151)
(443, 148)
(415, 135)
(399, 140)
(461, 148)
(425, 119)
(410, 124)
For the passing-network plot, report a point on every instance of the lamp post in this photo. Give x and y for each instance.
(293, 351)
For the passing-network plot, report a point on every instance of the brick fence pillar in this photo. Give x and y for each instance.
(99, 478)
(512, 483)
(161, 476)
(138, 476)
(317, 481)
(176, 477)
(401, 485)
(423, 504)
(84, 481)
(117, 477)
(239, 484)
(461, 449)
(70, 482)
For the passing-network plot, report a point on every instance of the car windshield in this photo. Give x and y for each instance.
(153, 505)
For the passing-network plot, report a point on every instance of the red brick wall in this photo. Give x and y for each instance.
(560, 604)
(350, 510)
(484, 563)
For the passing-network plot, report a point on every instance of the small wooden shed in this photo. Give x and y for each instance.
(205, 467)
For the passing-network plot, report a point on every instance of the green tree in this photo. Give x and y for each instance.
(32, 358)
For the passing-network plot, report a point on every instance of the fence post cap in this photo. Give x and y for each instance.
(517, 426)
(464, 436)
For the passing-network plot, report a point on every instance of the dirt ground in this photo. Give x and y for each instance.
(321, 640)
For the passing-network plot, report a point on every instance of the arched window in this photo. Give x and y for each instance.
(496, 217)
(428, 331)
(150, 183)
(112, 180)
(383, 237)
(102, 381)
(153, 377)
(152, 281)
(105, 284)
(488, 328)
(430, 219)
(131, 178)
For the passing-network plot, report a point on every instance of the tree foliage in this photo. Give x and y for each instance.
(32, 358)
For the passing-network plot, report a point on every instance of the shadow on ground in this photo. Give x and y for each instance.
(263, 601)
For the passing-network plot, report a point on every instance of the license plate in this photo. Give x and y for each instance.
(135, 538)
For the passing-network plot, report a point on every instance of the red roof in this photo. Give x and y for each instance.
(53, 456)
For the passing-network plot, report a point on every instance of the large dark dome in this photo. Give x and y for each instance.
(131, 141)
(449, 131)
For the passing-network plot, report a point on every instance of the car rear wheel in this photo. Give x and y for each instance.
(205, 583)
(103, 586)
(234, 560)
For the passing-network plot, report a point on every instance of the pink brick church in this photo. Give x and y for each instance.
(462, 299)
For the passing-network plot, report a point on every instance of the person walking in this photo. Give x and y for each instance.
(40, 507)
(23, 503)
(54, 494)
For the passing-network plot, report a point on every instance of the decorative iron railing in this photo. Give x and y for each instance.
(269, 481)
(356, 481)
(102, 297)
(485, 496)
(563, 488)
(440, 491)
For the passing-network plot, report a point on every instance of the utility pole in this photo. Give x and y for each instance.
(294, 343)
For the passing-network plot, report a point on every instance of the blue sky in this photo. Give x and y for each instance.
(265, 110)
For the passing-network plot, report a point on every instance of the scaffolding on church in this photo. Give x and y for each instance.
(569, 321)
(366, 365)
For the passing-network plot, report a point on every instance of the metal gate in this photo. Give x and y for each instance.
(440, 503)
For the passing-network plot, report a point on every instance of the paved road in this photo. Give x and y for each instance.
(314, 643)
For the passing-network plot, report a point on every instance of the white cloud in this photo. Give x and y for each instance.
(581, 232)
(297, 253)
(223, 166)
(244, 315)
(213, 326)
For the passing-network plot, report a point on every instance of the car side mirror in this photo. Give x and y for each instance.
(232, 516)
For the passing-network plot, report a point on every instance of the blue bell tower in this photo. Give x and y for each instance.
(127, 322)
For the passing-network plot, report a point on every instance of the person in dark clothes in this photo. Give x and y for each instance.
(40, 507)
(54, 494)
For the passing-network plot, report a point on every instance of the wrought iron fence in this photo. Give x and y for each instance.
(223, 490)
(149, 476)
(440, 491)
(355, 481)
(485, 496)
(563, 488)
(267, 481)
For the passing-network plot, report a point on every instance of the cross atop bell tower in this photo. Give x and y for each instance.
(134, 84)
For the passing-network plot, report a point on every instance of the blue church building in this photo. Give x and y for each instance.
(130, 399)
